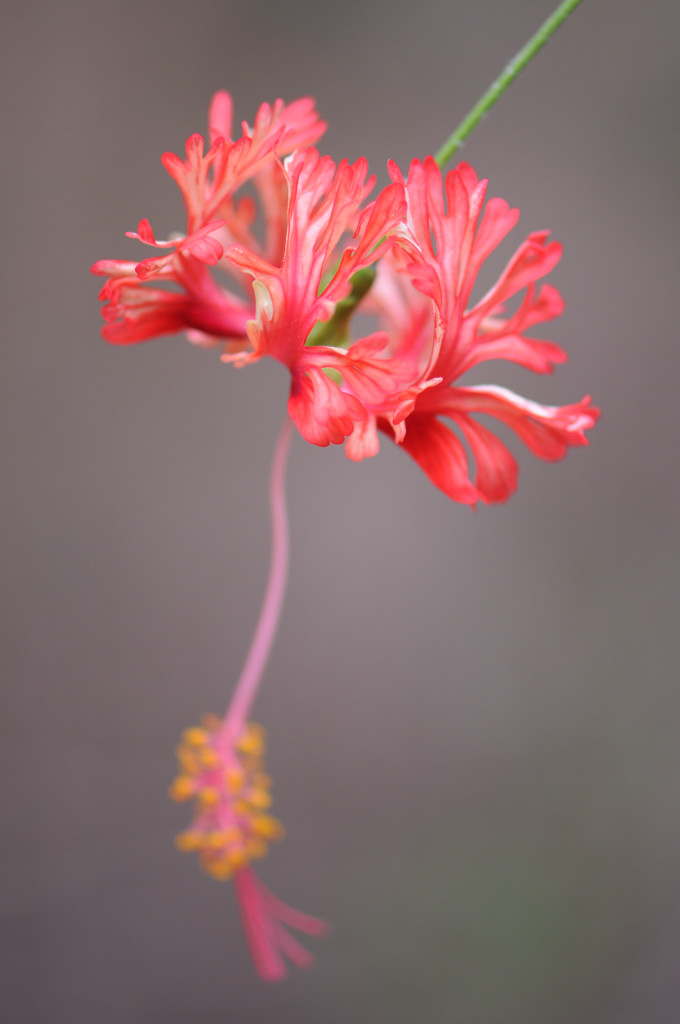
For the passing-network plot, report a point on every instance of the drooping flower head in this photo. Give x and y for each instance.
(299, 286)
(224, 774)
(138, 305)
(301, 271)
(448, 235)
(315, 275)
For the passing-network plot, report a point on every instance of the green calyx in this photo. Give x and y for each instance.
(335, 332)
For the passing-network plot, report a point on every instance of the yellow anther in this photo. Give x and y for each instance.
(189, 842)
(214, 841)
(262, 781)
(219, 868)
(211, 722)
(238, 858)
(222, 837)
(241, 808)
(182, 788)
(266, 826)
(231, 835)
(252, 741)
(234, 778)
(195, 737)
(188, 761)
(209, 797)
(256, 848)
(260, 798)
(209, 757)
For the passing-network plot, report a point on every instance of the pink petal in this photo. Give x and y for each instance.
(441, 456)
(320, 410)
(363, 442)
(496, 475)
(220, 116)
(547, 430)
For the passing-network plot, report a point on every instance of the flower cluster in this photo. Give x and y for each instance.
(223, 772)
(227, 780)
(303, 247)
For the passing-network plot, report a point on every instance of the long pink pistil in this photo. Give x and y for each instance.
(265, 631)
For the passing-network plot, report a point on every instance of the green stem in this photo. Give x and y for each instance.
(336, 330)
(510, 73)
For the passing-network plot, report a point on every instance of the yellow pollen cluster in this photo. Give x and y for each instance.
(231, 790)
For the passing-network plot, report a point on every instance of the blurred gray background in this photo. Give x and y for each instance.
(473, 717)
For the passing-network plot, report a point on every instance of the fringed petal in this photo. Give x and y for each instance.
(547, 430)
(363, 442)
(496, 468)
(441, 456)
(320, 410)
